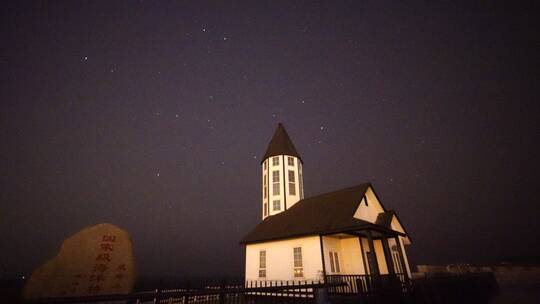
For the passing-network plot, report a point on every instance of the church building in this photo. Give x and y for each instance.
(341, 233)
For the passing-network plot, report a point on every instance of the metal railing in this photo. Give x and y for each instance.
(367, 284)
(250, 292)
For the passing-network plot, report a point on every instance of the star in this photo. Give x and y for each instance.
(177, 115)
(204, 30)
(85, 58)
(157, 174)
(322, 128)
(225, 38)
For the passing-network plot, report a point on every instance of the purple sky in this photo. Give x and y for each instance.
(153, 115)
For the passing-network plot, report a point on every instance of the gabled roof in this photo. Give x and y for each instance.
(384, 219)
(325, 213)
(280, 144)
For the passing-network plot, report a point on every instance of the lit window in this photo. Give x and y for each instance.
(275, 161)
(275, 182)
(290, 161)
(277, 205)
(292, 183)
(298, 269)
(262, 264)
(265, 164)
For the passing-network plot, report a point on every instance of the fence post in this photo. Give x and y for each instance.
(157, 296)
(221, 293)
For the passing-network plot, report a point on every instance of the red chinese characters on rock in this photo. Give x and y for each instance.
(106, 247)
(102, 264)
(119, 276)
(109, 238)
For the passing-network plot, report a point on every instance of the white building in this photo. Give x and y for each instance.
(345, 232)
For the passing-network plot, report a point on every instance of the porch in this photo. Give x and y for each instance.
(366, 261)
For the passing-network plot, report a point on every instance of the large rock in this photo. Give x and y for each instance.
(96, 260)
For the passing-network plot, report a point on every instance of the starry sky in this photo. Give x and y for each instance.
(154, 116)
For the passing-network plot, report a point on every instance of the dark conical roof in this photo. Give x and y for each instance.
(281, 144)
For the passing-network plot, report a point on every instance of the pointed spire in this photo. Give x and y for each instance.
(281, 144)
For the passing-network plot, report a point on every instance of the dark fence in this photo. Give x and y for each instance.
(367, 284)
(465, 288)
(251, 292)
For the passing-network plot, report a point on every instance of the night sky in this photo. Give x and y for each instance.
(154, 116)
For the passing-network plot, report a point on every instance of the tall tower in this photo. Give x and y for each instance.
(282, 181)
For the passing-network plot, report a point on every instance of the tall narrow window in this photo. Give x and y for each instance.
(395, 258)
(298, 268)
(262, 264)
(277, 205)
(265, 165)
(332, 267)
(264, 186)
(275, 182)
(290, 161)
(275, 161)
(264, 209)
(336, 260)
(292, 183)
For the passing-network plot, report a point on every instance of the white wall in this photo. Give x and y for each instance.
(370, 211)
(331, 244)
(352, 256)
(381, 261)
(280, 259)
(349, 255)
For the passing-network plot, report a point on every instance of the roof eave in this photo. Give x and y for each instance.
(325, 232)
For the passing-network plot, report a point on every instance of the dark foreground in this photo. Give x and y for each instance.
(477, 288)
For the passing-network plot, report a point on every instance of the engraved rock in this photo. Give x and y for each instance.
(96, 260)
